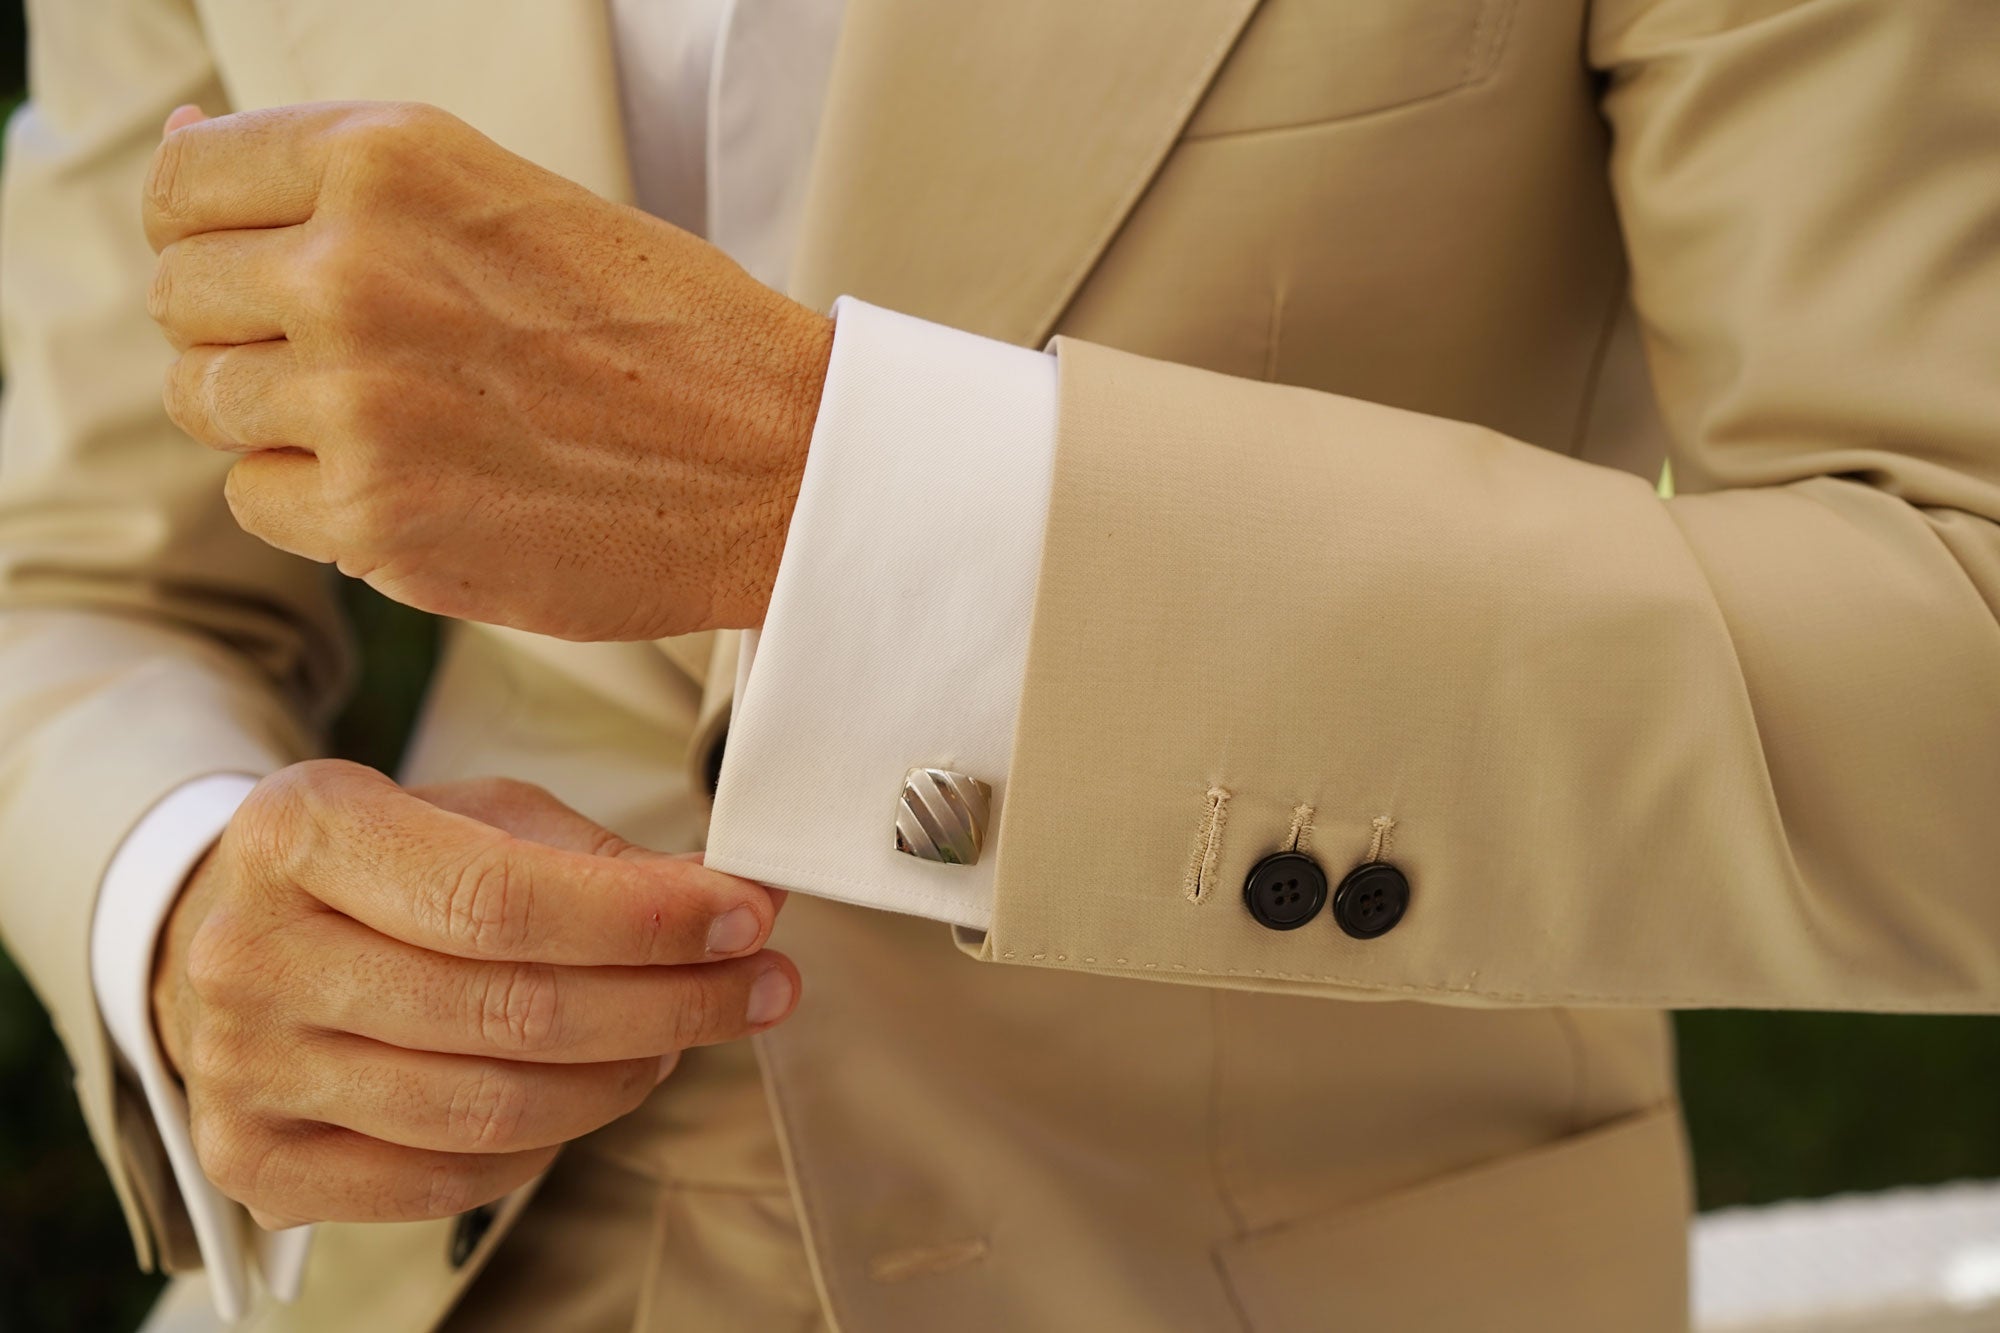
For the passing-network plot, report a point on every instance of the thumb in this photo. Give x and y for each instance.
(181, 117)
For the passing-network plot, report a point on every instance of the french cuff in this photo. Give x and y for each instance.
(897, 635)
(139, 888)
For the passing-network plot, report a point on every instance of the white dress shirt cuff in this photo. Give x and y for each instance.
(140, 887)
(897, 635)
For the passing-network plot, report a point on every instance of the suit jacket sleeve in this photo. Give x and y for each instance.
(1736, 747)
(144, 639)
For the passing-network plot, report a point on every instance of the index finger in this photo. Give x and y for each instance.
(250, 169)
(453, 885)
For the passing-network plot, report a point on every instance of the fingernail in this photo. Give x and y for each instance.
(733, 931)
(667, 1063)
(770, 996)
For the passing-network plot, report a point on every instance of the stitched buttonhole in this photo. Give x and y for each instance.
(1200, 877)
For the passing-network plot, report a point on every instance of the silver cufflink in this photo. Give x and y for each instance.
(942, 816)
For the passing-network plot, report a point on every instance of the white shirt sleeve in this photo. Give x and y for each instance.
(897, 635)
(139, 889)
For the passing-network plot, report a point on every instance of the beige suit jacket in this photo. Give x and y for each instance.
(1378, 320)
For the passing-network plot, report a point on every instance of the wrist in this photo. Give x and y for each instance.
(802, 348)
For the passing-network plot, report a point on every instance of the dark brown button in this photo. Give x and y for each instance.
(1371, 900)
(1285, 890)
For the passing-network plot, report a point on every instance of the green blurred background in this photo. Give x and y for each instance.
(1780, 1105)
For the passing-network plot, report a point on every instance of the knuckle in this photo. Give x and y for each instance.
(363, 142)
(399, 124)
(699, 1018)
(209, 978)
(326, 261)
(325, 779)
(306, 793)
(377, 145)
(202, 397)
(165, 192)
(177, 396)
(520, 1009)
(484, 905)
(487, 1110)
(275, 1174)
(348, 999)
(220, 965)
(603, 842)
(274, 824)
(160, 291)
(239, 492)
(344, 284)
(270, 803)
(215, 1147)
(442, 1190)
(220, 395)
(356, 292)
(212, 1059)
(236, 1158)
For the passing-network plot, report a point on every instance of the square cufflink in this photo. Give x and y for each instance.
(942, 816)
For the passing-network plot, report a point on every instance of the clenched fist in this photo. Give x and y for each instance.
(476, 385)
(389, 1005)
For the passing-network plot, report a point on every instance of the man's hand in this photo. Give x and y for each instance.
(390, 1005)
(472, 383)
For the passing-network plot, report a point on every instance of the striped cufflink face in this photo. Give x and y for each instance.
(942, 816)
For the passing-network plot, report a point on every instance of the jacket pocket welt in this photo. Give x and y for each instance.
(1584, 1234)
(1308, 62)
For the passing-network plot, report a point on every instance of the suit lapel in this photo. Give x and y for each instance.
(974, 160)
(535, 75)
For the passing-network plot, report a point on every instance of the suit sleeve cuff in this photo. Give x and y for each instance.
(140, 886)
(897, 635)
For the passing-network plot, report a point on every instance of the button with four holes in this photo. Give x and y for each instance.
(1285, 890)
(1371, 900)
